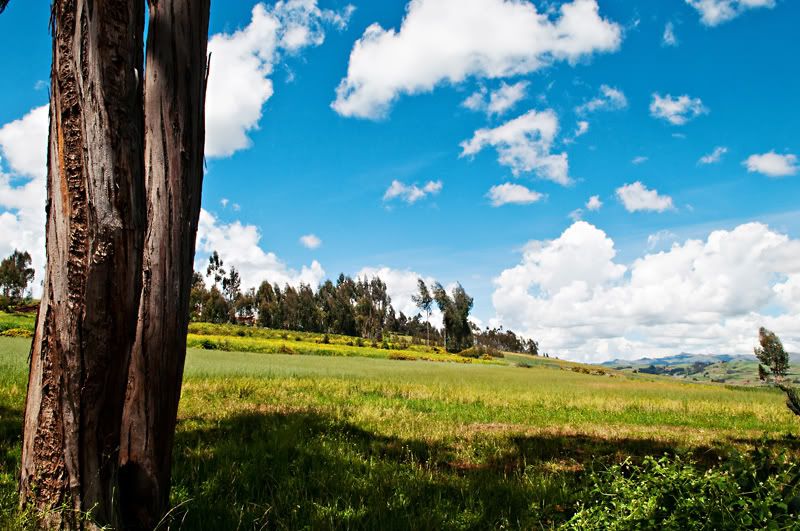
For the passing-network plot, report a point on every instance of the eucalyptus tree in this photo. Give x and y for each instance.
(124, 178)
(16, 274)
(424, 301)
(455, 310)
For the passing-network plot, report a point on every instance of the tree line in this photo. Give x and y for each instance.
(354, 307)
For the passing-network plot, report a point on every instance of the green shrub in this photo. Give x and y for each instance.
(208, 344)
(758, 492)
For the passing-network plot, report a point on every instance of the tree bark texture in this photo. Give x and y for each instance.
(174, 103)
(95, 225)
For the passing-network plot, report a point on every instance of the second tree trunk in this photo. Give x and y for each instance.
(174, 101)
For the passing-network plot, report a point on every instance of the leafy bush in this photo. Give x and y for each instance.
(675, 493)
(208, 344)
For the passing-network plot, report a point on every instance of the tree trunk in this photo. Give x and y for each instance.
(86, 322)
(174, 102)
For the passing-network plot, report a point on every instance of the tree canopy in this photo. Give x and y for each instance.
(16, 275)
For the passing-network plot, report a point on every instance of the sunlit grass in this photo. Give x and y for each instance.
(292, 441)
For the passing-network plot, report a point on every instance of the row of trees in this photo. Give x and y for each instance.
(354, 307)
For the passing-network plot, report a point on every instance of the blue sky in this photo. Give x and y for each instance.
(656, 86)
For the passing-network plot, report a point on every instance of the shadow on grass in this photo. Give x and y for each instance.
(305, 470)
(10, 437)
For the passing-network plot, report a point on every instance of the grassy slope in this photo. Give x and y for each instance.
(311, 441)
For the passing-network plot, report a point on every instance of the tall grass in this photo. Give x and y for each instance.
(284, 441)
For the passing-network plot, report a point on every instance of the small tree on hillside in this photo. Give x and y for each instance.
(771, 353)
(16, 274)
(424, 301)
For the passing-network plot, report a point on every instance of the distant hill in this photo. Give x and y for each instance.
(737, 369)
(684, 358)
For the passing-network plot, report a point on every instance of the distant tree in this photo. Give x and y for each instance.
(197, 297)
(16, 274)
(344, 313)
(290, 304)
(771, 354)
(215, 307)
(455, 309)
(245, 307)
(215, 270)
(308, 312)
(326, 305)
(505, 340)
(266, 305)
(232, 285)
(424, 301)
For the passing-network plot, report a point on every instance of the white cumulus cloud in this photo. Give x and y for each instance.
(448, 41)
(713, 157)
(310, 241)
(594, 203)
(609, 99)
(411, 193)
(772, 164)
(715, 12)
(676, 111)
(524, 144)
(669, 38)
(702, 296)
(509, 193)
(239, 245)
(242, 63)
(583, 128)
(23, 170)
(637, 197)
(499, 101)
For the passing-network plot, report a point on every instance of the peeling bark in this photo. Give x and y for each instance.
(95, 226)
(174, 102)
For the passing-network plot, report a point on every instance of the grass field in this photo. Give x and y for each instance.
(290, 441)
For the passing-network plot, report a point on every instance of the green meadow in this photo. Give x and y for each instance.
(360, 438)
